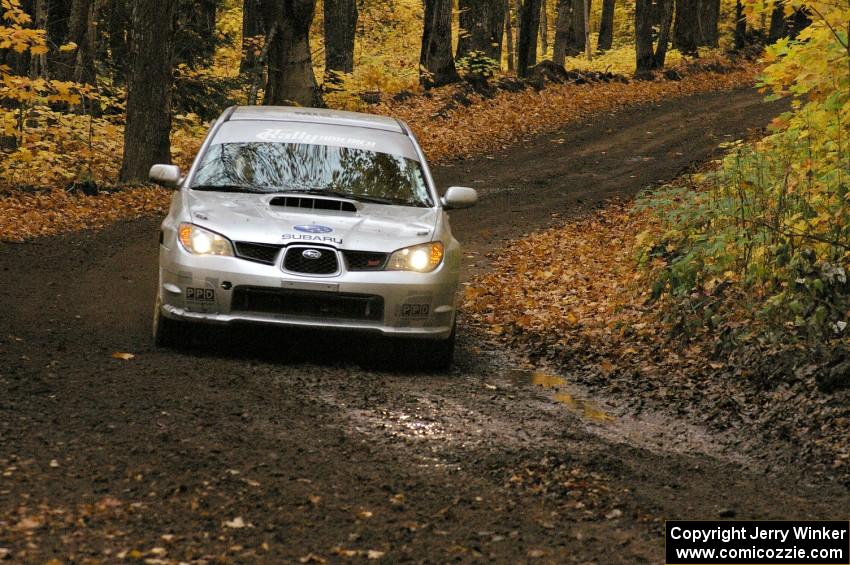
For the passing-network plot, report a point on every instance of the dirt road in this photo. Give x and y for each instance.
(280, 446)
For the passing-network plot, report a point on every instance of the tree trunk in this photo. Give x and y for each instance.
(799, 20)
(575, 29)
(740, 26)
(146, 135)
(778, 24)
(291, 80)
(78, 65)
(509, 37)
(562, 31)
(644, 51)
(709, 18)
(340, 29)
(529, 24)
(118, 24)
(647, 16)
(606, 26)
(686, 36)
(38, 63)
(252, 27)
(482, 23)
(665, 11)
(196, 39)
(544, 29)
(58, 14)
(436, 64)
(517, 12)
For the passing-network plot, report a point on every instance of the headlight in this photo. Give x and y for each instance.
(199, 241)
(420, 258)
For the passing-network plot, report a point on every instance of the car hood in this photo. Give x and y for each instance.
(251, 217)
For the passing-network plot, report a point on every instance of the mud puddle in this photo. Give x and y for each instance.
(587, 409)
(656, 431)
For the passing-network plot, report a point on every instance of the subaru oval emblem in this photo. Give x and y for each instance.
(311, 254)
(314, 229)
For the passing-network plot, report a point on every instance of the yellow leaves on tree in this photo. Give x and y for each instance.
(13, 34)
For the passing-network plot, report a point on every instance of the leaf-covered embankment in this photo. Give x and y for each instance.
(577, 295)
(450, 124)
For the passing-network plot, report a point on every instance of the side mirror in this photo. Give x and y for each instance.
(458, 197)
(166, 175)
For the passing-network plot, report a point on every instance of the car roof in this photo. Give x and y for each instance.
(315, 115)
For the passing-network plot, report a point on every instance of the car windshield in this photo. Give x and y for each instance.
(270, 167)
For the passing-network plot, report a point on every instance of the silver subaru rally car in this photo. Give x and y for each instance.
(310, 218)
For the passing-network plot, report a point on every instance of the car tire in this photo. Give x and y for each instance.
(439, 355)
(166, 332)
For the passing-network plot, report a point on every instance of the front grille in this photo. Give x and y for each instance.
(308, 304)
(258, 252)
(297, 260)
(365, 260)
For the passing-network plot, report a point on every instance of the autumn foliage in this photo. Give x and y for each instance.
(774, 217)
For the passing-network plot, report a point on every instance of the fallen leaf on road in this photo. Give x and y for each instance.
(614, 514)
(236, 523)
(312, 558)
(30, 523)
(374, 554)
(106, 503)
(123, 356)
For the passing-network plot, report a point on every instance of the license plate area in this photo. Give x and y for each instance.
(200, 295)
(415, 311)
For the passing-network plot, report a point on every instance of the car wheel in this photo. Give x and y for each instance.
(166, 331)
(439, 355)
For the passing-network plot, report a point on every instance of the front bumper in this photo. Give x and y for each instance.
(227, 290)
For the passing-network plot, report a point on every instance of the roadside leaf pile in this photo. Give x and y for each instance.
(553, 291)
(24, 215)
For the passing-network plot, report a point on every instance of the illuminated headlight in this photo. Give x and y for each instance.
(420, 258)
(199, 241)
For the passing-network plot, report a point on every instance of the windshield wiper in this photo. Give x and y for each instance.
(351, 196)
(381, 200)
(246, 188)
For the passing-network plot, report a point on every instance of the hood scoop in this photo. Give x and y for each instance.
(311, 203)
